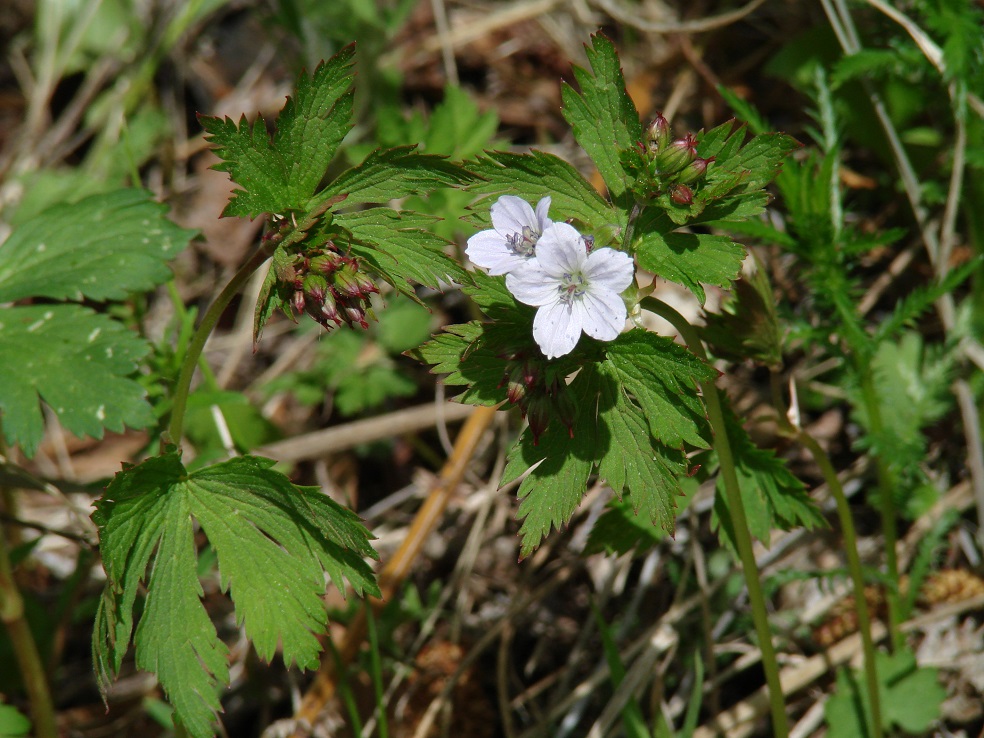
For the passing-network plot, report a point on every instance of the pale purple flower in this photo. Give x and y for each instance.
(514, 234)
(575, 291)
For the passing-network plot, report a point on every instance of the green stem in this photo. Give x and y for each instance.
(850, 549)
(886, 495)
(25, 649)
(204, 330)
(743, 539)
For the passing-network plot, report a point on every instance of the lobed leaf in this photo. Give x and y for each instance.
(75, 361)
(689, 258)
(274, 542)
(390, 174)
(397, 246)
(602, 115)
(773, 497)
(662, 378)
(281, 174)
(537, 174)
(100, 248)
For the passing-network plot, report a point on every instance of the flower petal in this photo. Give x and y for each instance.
(489, 250)
(541, 214)
(609, 269)
(531, 285)
(604, 314)
(561, 250)
(510, 214)
(556, 328)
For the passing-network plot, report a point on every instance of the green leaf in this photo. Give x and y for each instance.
(553, 490)
(282, 174)
(621, 528)
(12, 723)
(100, 248)
(611, 434)
(602, 115)
(688, 258)
(394, 173)
(912, 391)
(633, 461)
(398, 247)
(911, 698)
(274, 542)
(75, 361)
(534, 176)
(772, 495)
(662, 378)
(747, 327)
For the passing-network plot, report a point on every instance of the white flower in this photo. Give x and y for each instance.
(575, 291)
(510, 242)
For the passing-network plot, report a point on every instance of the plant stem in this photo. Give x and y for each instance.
(743, 539)
(25, 649)
(886, 500)
(850, 550)
(202, 332)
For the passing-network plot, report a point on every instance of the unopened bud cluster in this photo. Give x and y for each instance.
(539, 399)
(328, 286)
(670, 165)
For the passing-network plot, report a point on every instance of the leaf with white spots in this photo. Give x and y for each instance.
(100, 248)
(78, 363)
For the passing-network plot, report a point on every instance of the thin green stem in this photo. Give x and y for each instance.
(886, 495)
(743, 539)
(204, 330)
(850, 549)
(25, 649)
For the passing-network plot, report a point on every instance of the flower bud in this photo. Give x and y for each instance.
(677, 155)
(681, 194)
(658, 134)
(693, 171)
(538, 412)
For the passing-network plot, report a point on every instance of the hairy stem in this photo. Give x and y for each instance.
(202, 332)
(743, 539)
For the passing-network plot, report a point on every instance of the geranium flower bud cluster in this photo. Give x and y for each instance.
(330, 287)
(667, 165)
(539, 399)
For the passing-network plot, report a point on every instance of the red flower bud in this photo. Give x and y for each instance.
(681, 194)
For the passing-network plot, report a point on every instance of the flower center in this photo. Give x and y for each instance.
(522, 244)
(572, 287)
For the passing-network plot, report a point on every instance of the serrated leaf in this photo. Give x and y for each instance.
(603, 117)
(633, 461)
(281, 174)
(390, 174)
(397, 246)
(662, 378)
(688, 258)
(535, 175)
(78, 363)
(552, 491)
(101, 248)
(610, 433)
(274, 543)
(771, 495)
(621, 528)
